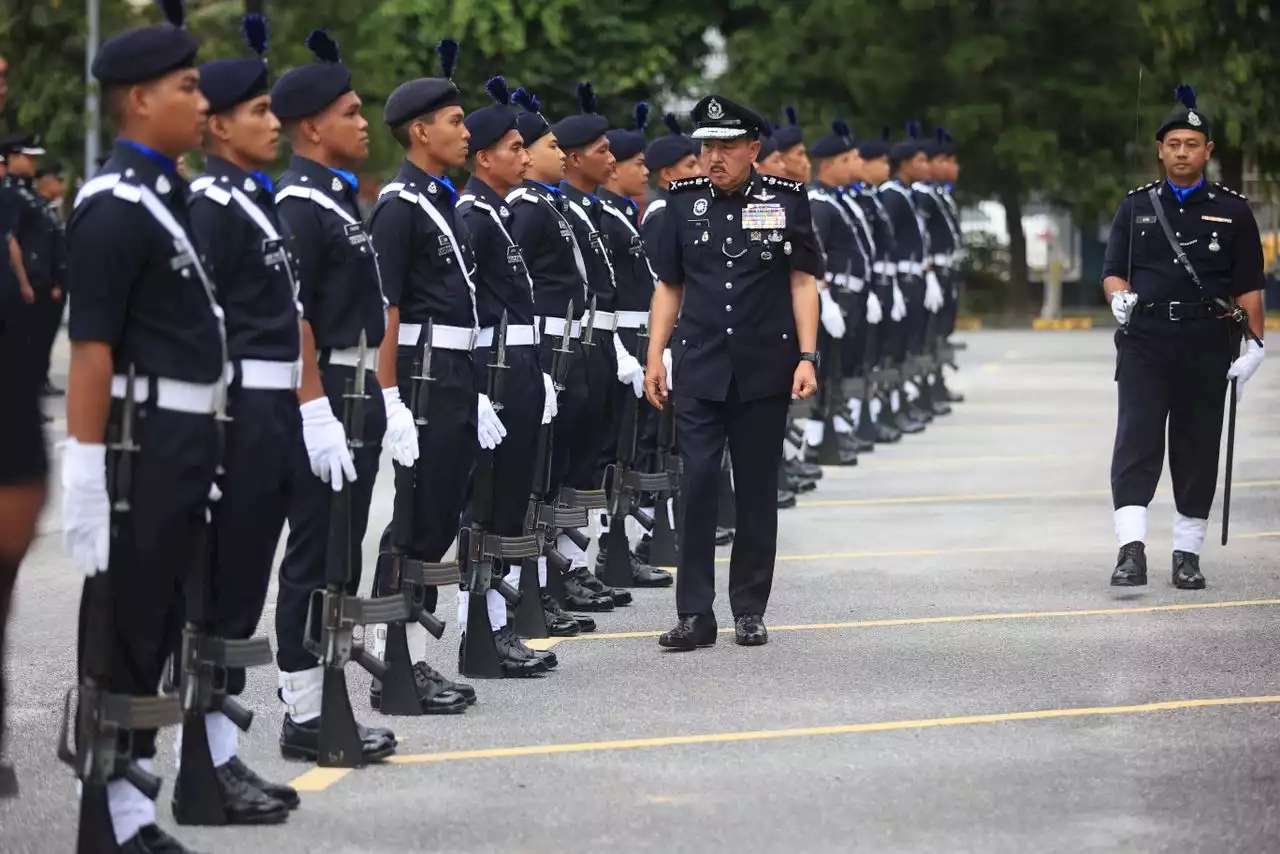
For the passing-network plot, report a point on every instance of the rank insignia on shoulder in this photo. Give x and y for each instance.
(1227, 189)
(783, 183)
(1143, 188)
(689, 184)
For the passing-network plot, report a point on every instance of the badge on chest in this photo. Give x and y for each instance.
(759, 217)
(181, 259)
(514, 258)
(443, 249)
(565, 231)
(355, 234)
(273, 252)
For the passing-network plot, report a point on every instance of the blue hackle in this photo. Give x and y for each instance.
(1186, 93)
(841, 129)
(641, 116)
(255, 32)
(497, 89)
(791, 116)
(448, 50)
(175, 12)
(672, 123)
(587, 97)
(323, 46)
(913, 129)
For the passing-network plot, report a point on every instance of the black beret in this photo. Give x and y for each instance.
(227, 83)
(426, 94)
(943, 146)
(911, 146)
(715, 117)
(669, 149)
(838, 142)
(584, 128)
(791, 133)
(308, 89)
(488, 125)
(628, 143)
(1185, 116)
(51, 167)
(148, 52)
(530, 121)
(873, 149)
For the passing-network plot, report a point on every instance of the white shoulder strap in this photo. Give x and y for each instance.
(493, 215)
(654, 206)
(635, 234)
(312, 195)
(604, 253)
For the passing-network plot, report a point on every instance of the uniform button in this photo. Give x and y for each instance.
(728, 263)
(728, 308)
(1177, 234)
(784, 336)
(728, 239)
(728, 285)
(186, 274)
(729, 330)
(729, 217)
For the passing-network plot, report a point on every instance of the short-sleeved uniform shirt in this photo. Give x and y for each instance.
(134, 284)
(40, 235)
(733, 255)
(502, 279)
(1214, 226)
(585, 215)
(540, 225)
(244, 245)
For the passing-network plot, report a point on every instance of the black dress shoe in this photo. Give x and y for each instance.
(813, 471)
(903, 421)
(917, 412)
(153, 840)
(749, 630)
(577, 597)
(801, 485)
(468, 692)
(302, 741)
(724, 536)
(939, 406)
(1186, 571)
(863, 445)
(691, 632)
(1131, 566)
(516, 660)
(599, 588)
(643, 575)
(886, 433)
(434, 697)
(242, 802)
(8, 780)
(286, 795)
(509, 637)
(560, 623)
(786, 499)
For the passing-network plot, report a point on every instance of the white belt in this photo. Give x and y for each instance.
(912, 268)
(517, 336)
(632, 319)
(442, 337)
(555, 326)
(268, 376)
(350, 358)
(846, 281)
(881, 267)
(942, 260)
(174, 395)
(606, 321)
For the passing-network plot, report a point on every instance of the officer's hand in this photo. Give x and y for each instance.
(805, 382)
(402, 431)
(326, 444)
(56, 293)
(550, 402)
(1246, 366)
(655, 383)
(1122, 303)
(86, 510)
(28, 295)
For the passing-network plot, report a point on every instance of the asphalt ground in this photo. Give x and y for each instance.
(948, 671)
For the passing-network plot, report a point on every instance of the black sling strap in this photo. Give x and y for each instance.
(1178, 250)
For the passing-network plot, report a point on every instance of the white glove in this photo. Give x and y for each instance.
(326, 443)
(666, 363)
(402, 430)
(832, 316)
(489, 429)
(875, 311)
(86, 510)
(898, 310)
(629, 368)
(1246, 366)
(933, 298)
(550, 405)
(1122, 303)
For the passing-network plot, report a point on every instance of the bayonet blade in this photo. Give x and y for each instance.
(502, 341)
(567, 333)
(426, 351)
(588, 337)
(362, 351)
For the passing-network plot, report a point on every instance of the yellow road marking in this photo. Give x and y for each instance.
(924, 462)
(842, 729)
(318, 779)
(903, 553)
(957, 618)
(990, 367)
(989, 496)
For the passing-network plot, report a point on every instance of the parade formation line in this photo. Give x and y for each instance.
(995, 496)
(320, 778)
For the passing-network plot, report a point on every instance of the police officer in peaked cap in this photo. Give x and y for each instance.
(736, 261)
(1196, 258)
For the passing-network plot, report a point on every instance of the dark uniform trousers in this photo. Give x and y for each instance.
(853, 351)
(595, 430)
(1174, 373)
(881, 347)
(261, 445)
(46, 318)
(950, 280)
(611, 402)
(306, 553)
(576, 441)
(646, 455)
(446, 453)
(153, 550)
(916, 322)
(523, 396)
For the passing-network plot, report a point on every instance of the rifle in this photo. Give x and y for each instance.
(832, 401)
(202, 680)
(664, 548)
(333, 613)
(400, 573)
(624, 486)
(105, 721)
(484, 554)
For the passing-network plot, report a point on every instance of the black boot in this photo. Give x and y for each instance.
(432, 675)
(560, 623)
(302, 741)
(599, 588)
(812, 471)
(1186, 571)
(578, 597)
(786, 499)
(286, 795)
(643, 575)
(1131, 566)
(433, 695)
(510, 637)
(690, 633)
(242, 802)
(153, 840)
(515, 659)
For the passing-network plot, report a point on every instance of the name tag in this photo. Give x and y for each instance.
(597, 242)
(764, 216)
(273, 252)
(514, 258)
(182, 259)
(565, 231)
(1215, 218)
(355, 234)
(1145, 220)
(637, 245)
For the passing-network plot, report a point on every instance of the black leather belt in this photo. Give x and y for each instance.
(1179, 311)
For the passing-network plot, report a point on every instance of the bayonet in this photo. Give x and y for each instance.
(357, 398)
(125, 447)
(588, 335)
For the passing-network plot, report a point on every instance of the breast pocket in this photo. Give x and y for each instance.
(695, 234)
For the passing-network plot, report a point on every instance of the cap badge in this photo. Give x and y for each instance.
(714, 110)
(162, 185)
(1193, 119)
(503, 210)
(699, 207)
(431, 188)
(249, 186)
(336, 185)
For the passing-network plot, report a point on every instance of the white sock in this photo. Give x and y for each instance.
(513, 575)
(130, 809)
(1188, 533)
(301, 693)
(1131, 524)
(912, 390)
(790, 452)
(895, 401)
(671, 513)
(876, 406)
(224, 738)
(813, 432)
(842, 426)
(497, 607)
(542, 571)
(635, 531)
(567, 547)
(855, 411)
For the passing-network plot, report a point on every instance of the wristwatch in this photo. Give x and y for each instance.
(811, 357)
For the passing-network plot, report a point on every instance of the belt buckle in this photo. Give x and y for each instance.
(1172, 313)
(475, 335)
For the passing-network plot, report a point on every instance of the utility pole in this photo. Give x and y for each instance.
(92, 112)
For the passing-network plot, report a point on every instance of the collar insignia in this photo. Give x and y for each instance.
(162, 185)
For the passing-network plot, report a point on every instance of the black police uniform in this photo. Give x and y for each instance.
(140, 287)
(846, 272)
(41, 237)
(734, 359)
(241, 236)
(341, 296)
(909, 249)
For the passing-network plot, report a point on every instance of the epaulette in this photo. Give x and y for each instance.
(204, 186)
(521, 194)
(683, 184)
(783, 183)
(1227, 189)
(1143, 188)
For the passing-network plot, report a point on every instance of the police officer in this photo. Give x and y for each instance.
(52, 186)
(528, 400)
(342, 302)
(670, 157)
(240, 237)
(736, 260)
(620, 222)
(769, 161)
(1196, 256)
(789, 139)
(427, 271)
(945, 171)
(144, 309)
(941, 238)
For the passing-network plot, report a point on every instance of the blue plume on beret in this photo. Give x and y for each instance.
(641, 115)
(791, 116)
(940, 134)
(447, 50)
(537, 105)
(913, 129)
(323, 46)
(672, 123)
(255, 32)
(175, 12)
(1187, 95)
(841, 129)
(497, 89)
(946, 136)
(524, 98)
(587, 97)
(886, 133)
